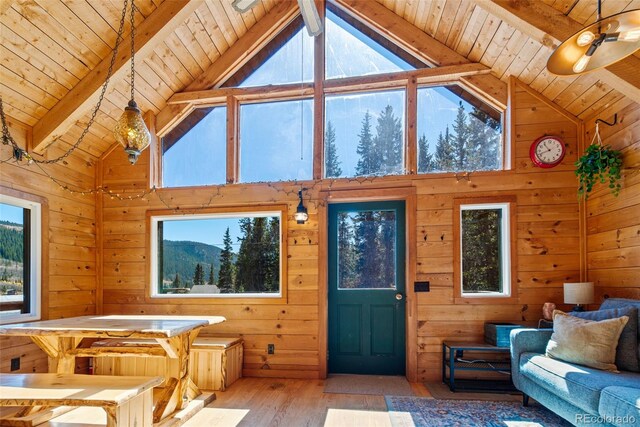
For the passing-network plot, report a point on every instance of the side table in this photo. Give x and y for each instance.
(453, 360)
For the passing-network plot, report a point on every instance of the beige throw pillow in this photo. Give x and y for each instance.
(585, 342)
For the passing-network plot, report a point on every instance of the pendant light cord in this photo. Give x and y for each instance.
(133, 51)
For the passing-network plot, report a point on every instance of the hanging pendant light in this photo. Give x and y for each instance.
(603, 43)
(130, 130)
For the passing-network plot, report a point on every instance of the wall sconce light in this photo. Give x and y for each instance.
(301, 213)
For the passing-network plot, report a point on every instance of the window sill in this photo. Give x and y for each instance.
(486, 300)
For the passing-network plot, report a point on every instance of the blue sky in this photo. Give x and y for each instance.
(209, 231)
(11, 213)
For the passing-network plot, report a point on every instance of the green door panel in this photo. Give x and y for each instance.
(366, 272)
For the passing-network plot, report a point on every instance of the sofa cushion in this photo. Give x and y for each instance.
(620, 406)
(577, 384)
(585, 342)
(626, 352)
(623, 302)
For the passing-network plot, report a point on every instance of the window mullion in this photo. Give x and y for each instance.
(233, 138)
(411, 139)
(318, 97)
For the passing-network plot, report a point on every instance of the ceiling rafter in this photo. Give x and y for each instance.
(550, 27)
(422, 46)
(256, 38)
(75, 104)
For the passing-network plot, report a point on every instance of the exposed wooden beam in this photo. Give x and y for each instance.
(152, 31)
(232, 59)
(419, 44)
(551, 27)
(444, 74)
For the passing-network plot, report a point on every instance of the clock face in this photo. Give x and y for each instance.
(547, 151)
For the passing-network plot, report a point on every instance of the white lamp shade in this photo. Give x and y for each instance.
(578, 293)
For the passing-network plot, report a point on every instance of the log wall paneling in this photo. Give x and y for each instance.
(613, 223)
(69, 249)
(546, 244)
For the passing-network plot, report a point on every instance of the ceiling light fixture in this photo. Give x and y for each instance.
(243, 5)
(130, 130)
(606, 41)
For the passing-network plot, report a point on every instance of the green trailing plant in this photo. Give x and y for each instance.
(600, 163)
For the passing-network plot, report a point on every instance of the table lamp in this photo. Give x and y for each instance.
(579, 294)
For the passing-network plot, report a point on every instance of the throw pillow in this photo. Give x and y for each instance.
(626, 359)
(585, 342)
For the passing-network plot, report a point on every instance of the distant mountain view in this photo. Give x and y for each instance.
(181, 257)
(11, 255)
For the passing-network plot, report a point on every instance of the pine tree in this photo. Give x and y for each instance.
(198, 275)
(443, 157)
(332, 164)
(366, 239)
(347, 252)
(388, 142)
(459, 140)
(225, 275)
(271, 250)
(177, 283)
(211, 280)
(368, 164)
(425, 159)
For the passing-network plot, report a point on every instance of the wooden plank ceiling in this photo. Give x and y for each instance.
(48, 46)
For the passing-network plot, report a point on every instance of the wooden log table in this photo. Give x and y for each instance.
(61, 340)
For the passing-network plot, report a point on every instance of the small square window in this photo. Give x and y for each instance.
(20, 252)
(484, 249)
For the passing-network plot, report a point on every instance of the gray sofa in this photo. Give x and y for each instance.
(581, 395)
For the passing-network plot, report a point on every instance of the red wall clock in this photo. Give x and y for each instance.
(547, 151)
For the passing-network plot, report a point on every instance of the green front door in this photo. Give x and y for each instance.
(366, 288)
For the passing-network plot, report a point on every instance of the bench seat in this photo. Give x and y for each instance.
(127, 400)
(214, 363)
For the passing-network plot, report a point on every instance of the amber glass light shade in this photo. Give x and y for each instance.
(132, 132)
(584, 51)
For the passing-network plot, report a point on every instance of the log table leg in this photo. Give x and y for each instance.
(180, 392)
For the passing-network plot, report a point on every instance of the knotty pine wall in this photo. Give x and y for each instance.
(69, 259)
(547, 250)
(613, 223)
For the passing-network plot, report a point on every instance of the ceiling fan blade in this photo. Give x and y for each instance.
(311, 17)
(243, 5)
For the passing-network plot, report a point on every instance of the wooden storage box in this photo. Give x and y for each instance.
(216, 363)
(497, 333)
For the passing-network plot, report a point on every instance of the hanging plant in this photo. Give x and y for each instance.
(600, 163)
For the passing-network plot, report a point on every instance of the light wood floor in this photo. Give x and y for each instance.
(269, 402)
(280, 402)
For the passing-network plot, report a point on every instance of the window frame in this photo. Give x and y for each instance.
(508, 259)
(37, 207)
(463, 75)
(152, 219)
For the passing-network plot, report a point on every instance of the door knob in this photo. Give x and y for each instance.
(399, 296)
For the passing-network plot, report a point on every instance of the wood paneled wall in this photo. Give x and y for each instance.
(547, 248)
(69, 260)
(613, 223)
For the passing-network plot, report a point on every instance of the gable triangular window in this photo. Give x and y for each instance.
(292, 62)
(349, 52)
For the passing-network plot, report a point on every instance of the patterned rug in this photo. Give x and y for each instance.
(421, 412)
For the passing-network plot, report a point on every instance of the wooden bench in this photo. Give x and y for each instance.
(214, 362)
(127, 401)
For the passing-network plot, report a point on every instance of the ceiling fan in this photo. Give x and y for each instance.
(307, 10)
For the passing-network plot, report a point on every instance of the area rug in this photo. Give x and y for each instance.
(421, 412)
(441, 391)
(367, 384)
